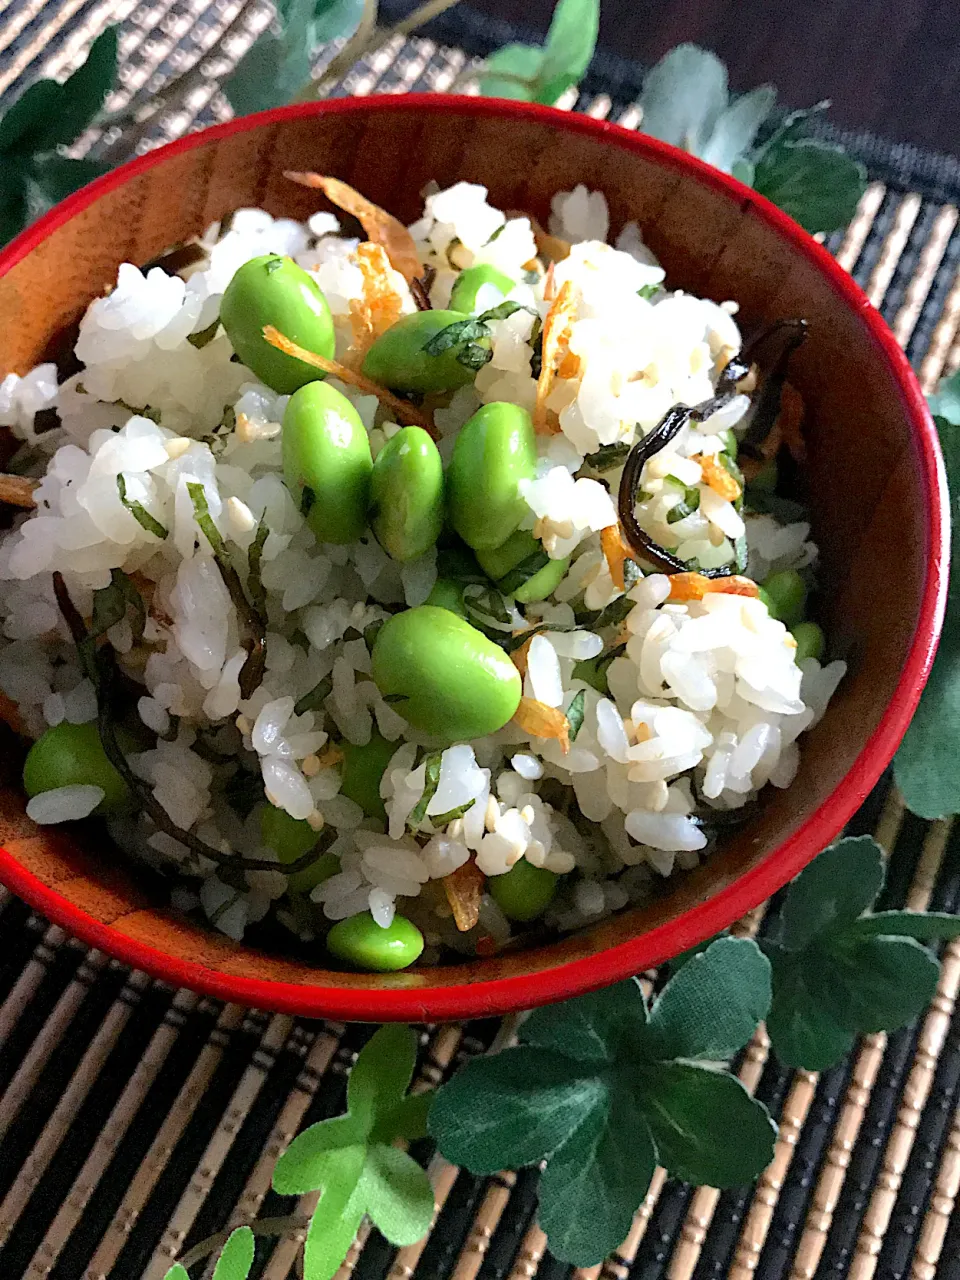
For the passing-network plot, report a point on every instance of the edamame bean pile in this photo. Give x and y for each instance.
(329, 607)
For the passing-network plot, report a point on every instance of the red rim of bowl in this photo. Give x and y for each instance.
(487, 997)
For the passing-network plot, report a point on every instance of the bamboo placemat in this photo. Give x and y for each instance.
(135, 1119)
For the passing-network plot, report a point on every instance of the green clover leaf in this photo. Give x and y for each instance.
(815, 182)
(706, 1127)
(836, 888)
(927, 766)
(571, 41)
(50, 115)
(234, 1263)
(737, 126)
(236, 1259)
(278, 65)
(712, 1006)
(838, 973)
(595, 1180)
(512, 72)
(683, 98)
(594, 1090)
(686, 102)
(352, 1161)
(530, 74)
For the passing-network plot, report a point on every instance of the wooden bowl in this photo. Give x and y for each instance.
(876, 481)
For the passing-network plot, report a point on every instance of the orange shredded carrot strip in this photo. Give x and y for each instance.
(379, 308)
(541, 721)
(734, 585)
(688, 586)
(549, 285)
(717, 477)
(379, 226)
(521, 656)
(569, 366)
(17, 491)
(694, 586)
(615, 552)
(406, 412)
(556, 335)
(464, 890)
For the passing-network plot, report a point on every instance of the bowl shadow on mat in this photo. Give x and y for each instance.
(874, 478)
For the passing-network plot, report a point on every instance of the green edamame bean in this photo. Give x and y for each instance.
(544, 583)
(362, 769)
(786, 595)
(70, 755)
(397, 358)
(766, 599)
(525, 891)
(811, 642)
(327, 462)
(290, 838)
(730, 442)
(406, 494)
(504, 565)
(359, 941)
(455, 683)
(495, 450)
(274, 290)
(447, 594)
(463, 296)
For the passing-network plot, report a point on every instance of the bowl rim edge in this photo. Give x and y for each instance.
(487, 997)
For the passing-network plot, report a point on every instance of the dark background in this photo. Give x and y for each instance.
(890, 66)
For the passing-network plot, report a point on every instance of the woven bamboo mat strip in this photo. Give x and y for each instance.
(135, 1120)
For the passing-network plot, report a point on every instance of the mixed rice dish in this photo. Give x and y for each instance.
(401, 594)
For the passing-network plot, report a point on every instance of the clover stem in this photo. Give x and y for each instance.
(286, 1225)
(368, 38)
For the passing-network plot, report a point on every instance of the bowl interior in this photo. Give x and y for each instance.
(869, 477)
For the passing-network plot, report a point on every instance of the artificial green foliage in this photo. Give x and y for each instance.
(33, 173)
(236, 1259)
(234, 1263)
(815, 182)
(686, 102)
(541, 74)
(838, 973)
(927, 766)
(352, 1162)
(277, 66)
(603, 1089)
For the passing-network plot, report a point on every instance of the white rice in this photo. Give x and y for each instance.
(704, 693)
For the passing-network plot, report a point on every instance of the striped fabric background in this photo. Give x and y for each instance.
(135, 1120)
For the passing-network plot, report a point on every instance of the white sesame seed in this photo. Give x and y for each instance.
(492, 815)
(240, 516)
